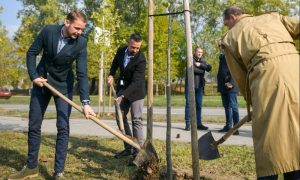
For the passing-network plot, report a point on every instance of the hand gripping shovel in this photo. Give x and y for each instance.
(208, 147)
(119, 113)
(147, 152)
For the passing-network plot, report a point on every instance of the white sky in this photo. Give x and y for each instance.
(8, 17)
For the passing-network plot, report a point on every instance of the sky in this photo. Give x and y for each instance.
(8, 17)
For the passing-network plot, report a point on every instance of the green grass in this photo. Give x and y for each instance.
(161, 101)
(77, 115)
(92, 158)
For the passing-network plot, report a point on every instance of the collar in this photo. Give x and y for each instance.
(242, 17)
(62, 34)
(196, 59)
(126, 53)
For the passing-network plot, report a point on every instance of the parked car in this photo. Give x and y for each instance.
(5, 94)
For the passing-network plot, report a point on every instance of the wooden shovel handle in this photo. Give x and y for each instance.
(93, 118)
(119, 112)
(233, 130)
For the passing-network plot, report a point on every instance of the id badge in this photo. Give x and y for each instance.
(121, 82)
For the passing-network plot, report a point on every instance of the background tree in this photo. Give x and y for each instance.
(161, 44)
(10, 69)
(133, 16)
(102, 14)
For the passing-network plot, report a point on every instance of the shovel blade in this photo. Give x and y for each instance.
(147, 156)
(208, 150)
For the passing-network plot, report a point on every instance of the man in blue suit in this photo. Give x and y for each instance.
(228, 89)
(61, 46)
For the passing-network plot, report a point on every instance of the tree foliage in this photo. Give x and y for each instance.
(161, 44)
(10, 69)
(102, 17)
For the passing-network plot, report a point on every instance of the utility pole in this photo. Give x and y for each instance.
(191, 87)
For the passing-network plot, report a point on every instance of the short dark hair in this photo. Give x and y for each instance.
(76, 14)
(235, 10)
(197, 47)
(135, 37)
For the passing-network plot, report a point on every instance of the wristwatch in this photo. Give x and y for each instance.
(85, 102)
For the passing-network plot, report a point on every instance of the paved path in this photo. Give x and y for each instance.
(88, 127)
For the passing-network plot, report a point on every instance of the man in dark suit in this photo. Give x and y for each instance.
(131, 89)
(200, 66)
(228, 89)
(61, 46)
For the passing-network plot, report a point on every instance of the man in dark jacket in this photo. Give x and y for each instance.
(228, 89)
(131, 89)
(200, 66)
(61, 46)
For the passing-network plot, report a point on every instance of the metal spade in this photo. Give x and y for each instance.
(208, 147)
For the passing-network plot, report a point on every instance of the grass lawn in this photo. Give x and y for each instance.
(92, 158)
(77, 115)
(160, 101)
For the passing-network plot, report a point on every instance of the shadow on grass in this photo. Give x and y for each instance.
(89, 151)
(15, 160)
(12, 158)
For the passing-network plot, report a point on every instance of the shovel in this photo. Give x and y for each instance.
(147, 154)
(119, 113)
(208, 147)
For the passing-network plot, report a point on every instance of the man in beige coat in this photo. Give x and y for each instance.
(265, 64)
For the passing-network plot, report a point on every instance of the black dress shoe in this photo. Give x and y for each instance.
(187, 128)
(125, 152)
(236, 132)
(225, 129)
(130, 162)
(202, 127)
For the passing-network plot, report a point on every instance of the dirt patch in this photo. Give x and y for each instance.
(147, 171)
(187, 174)
(177, 174)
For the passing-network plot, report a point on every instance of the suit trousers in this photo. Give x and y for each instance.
(136, 109)
(39, 101)
(198, 99)
(230, 104)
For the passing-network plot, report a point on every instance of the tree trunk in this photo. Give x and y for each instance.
(150, 72)
(194, 136)
(168, 92)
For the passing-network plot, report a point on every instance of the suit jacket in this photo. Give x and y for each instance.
(198, 73)
(133, 76)
(224, 76)
(57, 67)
